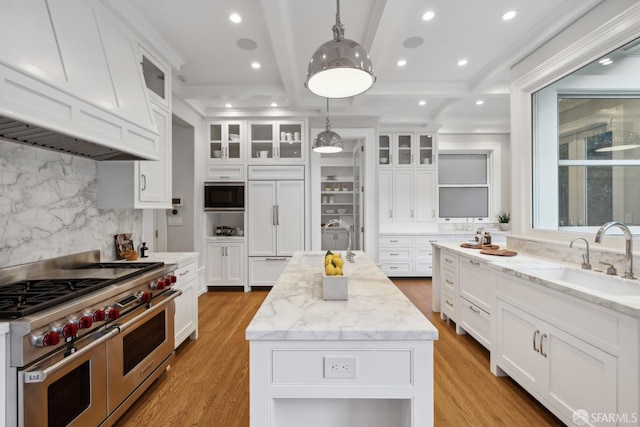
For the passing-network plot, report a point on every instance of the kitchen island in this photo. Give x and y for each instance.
(367, 361)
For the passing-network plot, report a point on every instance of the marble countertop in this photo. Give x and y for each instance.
(441, 233)
(616, 293)
(375, 310)
(169, 257)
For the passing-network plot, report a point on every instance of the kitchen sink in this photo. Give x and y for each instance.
(589, 280)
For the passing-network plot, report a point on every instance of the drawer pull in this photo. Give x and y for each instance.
(475, 310)
(535, 335)
(449, 282)
(394, 254)
(448, 260)
(432, 241)
(184, 272)
(394, 241)
(393, 267)
(474, 262)
(541, 348)
(448, 303)
(275, 259)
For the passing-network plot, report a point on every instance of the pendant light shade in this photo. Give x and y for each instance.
(340, 68)
(327, 141)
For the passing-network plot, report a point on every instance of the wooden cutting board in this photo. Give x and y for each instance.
(475, 246)
(499, 252)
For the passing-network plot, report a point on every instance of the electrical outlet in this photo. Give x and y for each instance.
(339, 367)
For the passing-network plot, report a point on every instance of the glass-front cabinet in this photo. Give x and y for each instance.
(226, 140)
(384, 149)
(406, 149)
(276, 141)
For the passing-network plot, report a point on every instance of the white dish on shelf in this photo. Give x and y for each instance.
(330, 211)
(384, 160)
(342, 211)
(234, 137)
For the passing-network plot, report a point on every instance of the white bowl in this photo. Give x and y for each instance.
(217, 154)
(234, 137)
(384, 160)
(330, 211)
(342, 211)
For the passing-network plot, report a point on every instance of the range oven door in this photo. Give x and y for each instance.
(72, 390)
(144, 344)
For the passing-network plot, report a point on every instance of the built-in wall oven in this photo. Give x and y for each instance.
(224, 196)
(84, 361)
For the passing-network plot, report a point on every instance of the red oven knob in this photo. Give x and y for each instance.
(173, 278)
(112, 313)
(98, 315)
(157, 285)
(167, 282)
(49, 338)
(69, 330)
(84, 322)
(144, 297)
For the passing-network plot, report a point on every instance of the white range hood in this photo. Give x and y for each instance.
(71, 81)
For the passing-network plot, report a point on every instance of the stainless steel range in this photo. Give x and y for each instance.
(86, 338)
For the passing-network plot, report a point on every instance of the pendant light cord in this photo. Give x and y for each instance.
(338, 28)
(327, 124)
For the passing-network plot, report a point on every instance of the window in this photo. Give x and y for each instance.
(586, 153)
(463, 186)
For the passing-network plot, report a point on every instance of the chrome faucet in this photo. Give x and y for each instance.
(585, 257)
(347, 227)
(628, 255)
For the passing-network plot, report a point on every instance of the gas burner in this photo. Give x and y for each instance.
(29, 296)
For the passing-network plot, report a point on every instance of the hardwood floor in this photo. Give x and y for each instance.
(208, 385)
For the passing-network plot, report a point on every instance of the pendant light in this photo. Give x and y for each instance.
(340, 68)
(327, 141)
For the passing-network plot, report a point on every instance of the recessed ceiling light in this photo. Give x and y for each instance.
(255, 65)
(401, 62)
(235, 18)
(428, 15)
(227, 105)
(606, 61)
(508, 15)
(274, 104)
(462, 62)
(422, 102)
(479, 102)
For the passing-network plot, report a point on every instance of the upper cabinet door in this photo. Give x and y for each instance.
(261, 141)
(226, 141)
(384, 150)
(155, 78)
(404, 149)
(155, 176)
(290, 144)
(426, 150)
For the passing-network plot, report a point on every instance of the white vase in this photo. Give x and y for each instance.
(504, 226)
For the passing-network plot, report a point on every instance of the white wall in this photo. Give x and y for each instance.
(181, 238)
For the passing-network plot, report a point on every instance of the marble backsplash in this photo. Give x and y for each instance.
(48, 207)
(561, 252)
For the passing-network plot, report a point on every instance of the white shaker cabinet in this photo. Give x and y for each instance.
(385, 193)
(186, 318)
(226, 142)
(567, 372)
(476, 295)
(139, 184)
(276, 217)
(226, 263)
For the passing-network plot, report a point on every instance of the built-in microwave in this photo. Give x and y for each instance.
(224, 196)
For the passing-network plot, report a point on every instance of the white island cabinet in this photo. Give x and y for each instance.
(4, 367)
(367, 361)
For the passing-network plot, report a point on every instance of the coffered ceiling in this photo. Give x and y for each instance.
(213, 55)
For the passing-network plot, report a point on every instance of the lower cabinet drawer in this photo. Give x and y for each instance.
(264, 271)
(341, 366)
(448, 305)
(389, 254)
(475, 321)
(424, 268)
(449, 280)
(396, 268)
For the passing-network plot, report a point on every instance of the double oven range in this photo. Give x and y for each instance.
(86, 338)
